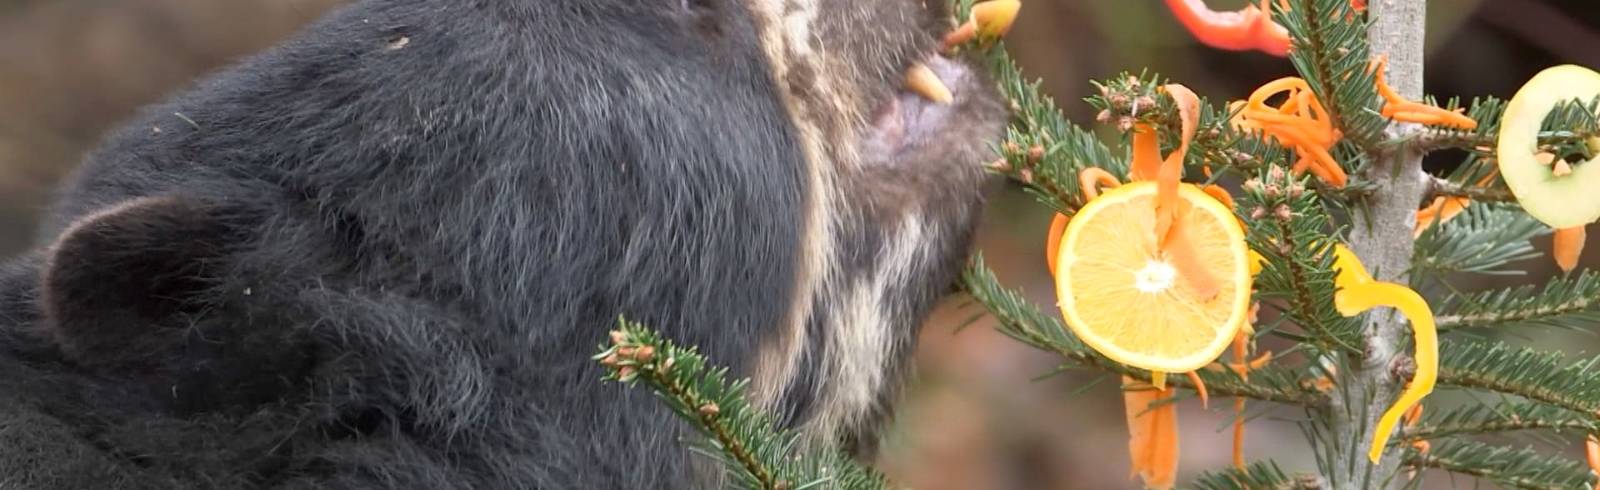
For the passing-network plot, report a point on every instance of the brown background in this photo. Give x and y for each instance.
(69, 69)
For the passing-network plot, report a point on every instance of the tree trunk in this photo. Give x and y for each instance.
(1383, 241)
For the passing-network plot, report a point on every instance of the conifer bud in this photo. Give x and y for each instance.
(710, 410)
(644, 354)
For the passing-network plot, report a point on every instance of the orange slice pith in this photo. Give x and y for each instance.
(1123, 297)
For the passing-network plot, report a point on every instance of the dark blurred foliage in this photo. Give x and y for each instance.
(70, 69)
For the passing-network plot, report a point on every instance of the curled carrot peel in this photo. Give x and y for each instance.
(1398, 108)
(1168, 172)
(1358, 292)
(1250, 28)
(1568, 247)
(1152, 435)
(1091, 179)
(1299, 122)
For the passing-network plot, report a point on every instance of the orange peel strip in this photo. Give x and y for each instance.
(1358, 292)
(1152, 435)
(1052, 244)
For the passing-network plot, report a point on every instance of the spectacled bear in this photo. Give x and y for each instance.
(380, 254)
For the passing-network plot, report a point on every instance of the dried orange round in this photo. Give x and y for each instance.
(1130, 300)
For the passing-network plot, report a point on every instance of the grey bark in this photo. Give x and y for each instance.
(1383, 241)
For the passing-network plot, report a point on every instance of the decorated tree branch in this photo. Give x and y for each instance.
(1301, 214)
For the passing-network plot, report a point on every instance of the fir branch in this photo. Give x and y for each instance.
(1505, 417)
(1570, 302)
(1020, 320)
(743, 439)
(1257, 476)
(1450, 188)
(1483, 239)
(1043, 150)
(1514, 468)
(1331, 53)
(1535, 375)
(1566, 130)
(1292, 231)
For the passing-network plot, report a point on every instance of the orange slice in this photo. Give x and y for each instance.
(1127, 298)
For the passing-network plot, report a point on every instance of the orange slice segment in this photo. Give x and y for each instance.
(1125, 297)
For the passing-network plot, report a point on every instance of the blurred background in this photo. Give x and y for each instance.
(978, 416)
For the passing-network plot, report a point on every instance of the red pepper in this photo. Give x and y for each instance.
(1250, 28)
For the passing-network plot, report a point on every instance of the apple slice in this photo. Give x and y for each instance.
(1561, 201)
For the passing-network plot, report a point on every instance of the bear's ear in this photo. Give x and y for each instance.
(118, 284)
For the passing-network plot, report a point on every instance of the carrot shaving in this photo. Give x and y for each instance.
(1568, 247)
(1199, 389)
(1241, 352)
(1398, 108)
(1152, 435)
(1445, 208)
(1220, 194)
(1299, 122)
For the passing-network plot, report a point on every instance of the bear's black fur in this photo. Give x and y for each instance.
(380, 255)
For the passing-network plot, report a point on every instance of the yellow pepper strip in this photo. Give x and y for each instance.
(1152, 435)
(1358, 292)
(1568, 247)
(1158, 379)
(1398, 108)
(990, 20)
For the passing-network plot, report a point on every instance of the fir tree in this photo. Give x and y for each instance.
(1355, 366)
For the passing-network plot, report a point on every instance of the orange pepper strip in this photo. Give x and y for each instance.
(1152, 435)
(1568, 247)
(1246, 29)
(1052, 244)
(1398, 108)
